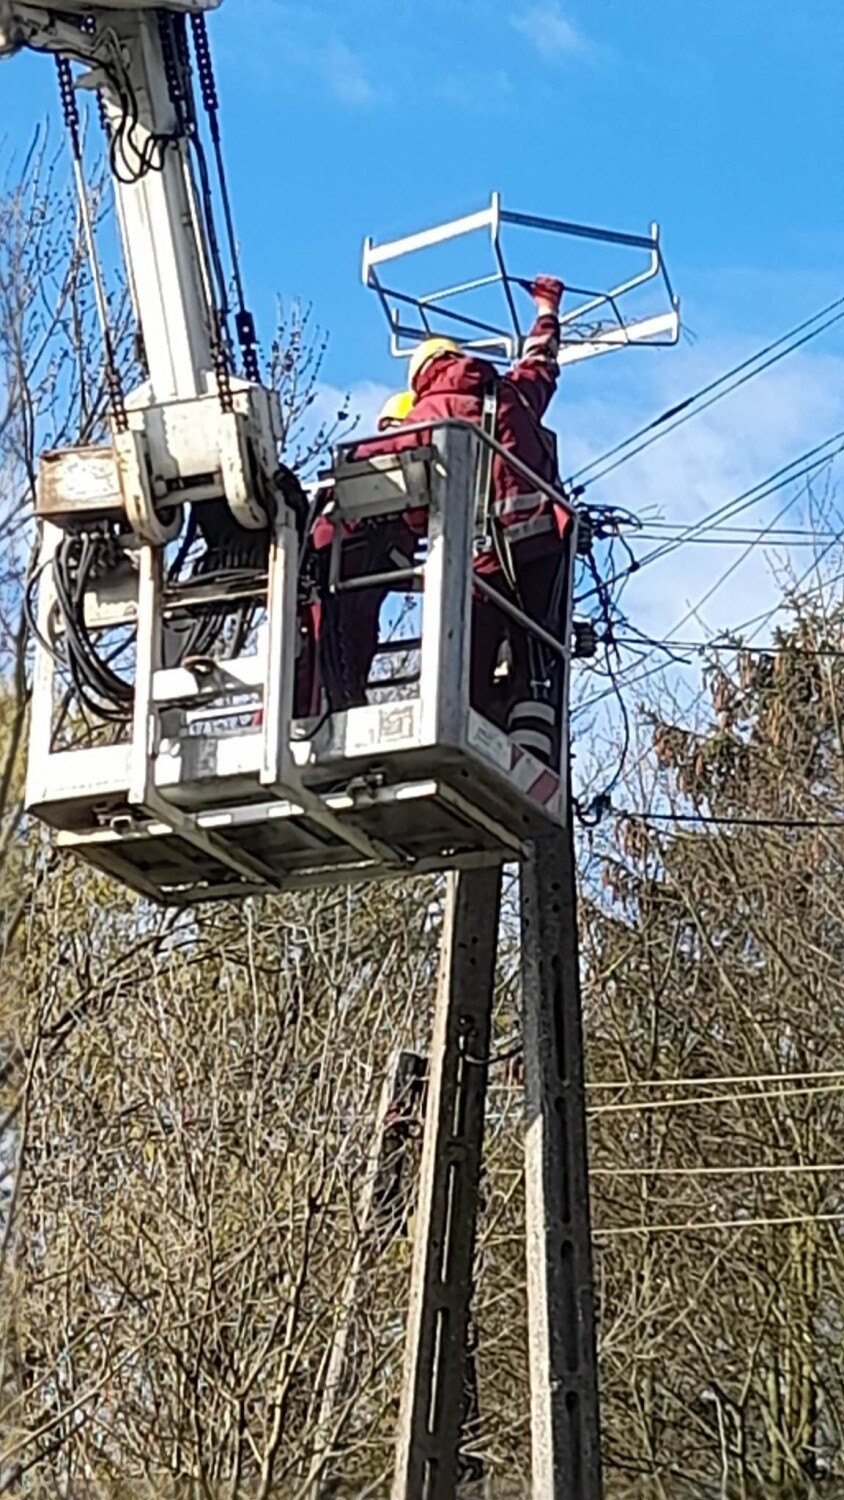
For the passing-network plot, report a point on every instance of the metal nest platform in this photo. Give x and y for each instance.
(482, 314)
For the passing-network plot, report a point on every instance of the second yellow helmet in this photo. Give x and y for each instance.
(395, 409)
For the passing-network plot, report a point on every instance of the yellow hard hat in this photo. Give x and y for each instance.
(428, 351)
(396, 408)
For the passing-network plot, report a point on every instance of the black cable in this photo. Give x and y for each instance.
(185, 546)
(150, 157)
(759, 621)
(776, 481)
(788, 647)
(712, 589)
(728, 820)
(712, 386)
(758, 492)
(79, 558)
(70, 110)
(598, 805)
(30, 612)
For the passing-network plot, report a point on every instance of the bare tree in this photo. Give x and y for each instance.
(716, 1055)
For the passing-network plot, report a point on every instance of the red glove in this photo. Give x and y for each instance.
(547, 293)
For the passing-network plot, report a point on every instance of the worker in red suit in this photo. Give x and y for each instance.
(512, 682)
(340, 632)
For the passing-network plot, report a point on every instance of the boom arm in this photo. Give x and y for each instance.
(194, 429)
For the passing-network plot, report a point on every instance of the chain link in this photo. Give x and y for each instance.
(244, 322)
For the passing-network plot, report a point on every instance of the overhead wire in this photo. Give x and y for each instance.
(701, 646)
(698, 1225)
(648, 1106)
(693, 1080)
(600, 805)
(759, 620)
(623, 682)
(776, 539)
(812, 459)
(719, 388)
(760, 1169)
(727, 820)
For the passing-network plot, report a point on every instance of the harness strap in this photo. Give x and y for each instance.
(483, 492)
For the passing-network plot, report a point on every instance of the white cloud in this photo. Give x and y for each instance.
(549, 30)
(365, 401)
(344, 73)
(479, 92)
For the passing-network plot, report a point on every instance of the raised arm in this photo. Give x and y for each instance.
(537, 372)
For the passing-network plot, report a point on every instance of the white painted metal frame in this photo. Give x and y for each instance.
(505, 343)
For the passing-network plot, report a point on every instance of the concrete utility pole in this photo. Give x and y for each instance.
(564, 1367)
(435, 1385)
(563, 1364)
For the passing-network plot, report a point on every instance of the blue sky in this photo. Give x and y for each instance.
(719, 118)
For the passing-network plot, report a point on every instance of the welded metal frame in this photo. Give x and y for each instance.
(131, 766)
(505, 343)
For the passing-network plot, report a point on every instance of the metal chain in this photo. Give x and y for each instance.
(176, 60)
(222, 372)
(172, 71)
(177, 74)
(205, 65)
(244, 321)
(70, 110)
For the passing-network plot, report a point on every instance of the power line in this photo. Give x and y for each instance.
(759, 491)
(759, 620)
(728, 820)
(774, 540)
(789, 1169)
(667, 530)
(706, 1224)
(648, 1106)
(650, 432)
(658, 524)
(726, 1078)
(690, 613)
(680, 644)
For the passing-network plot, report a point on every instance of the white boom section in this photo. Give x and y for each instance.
(165, 257)
(183, 444)
(165, 254)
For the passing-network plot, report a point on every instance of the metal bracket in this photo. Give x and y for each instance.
(132, 459)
